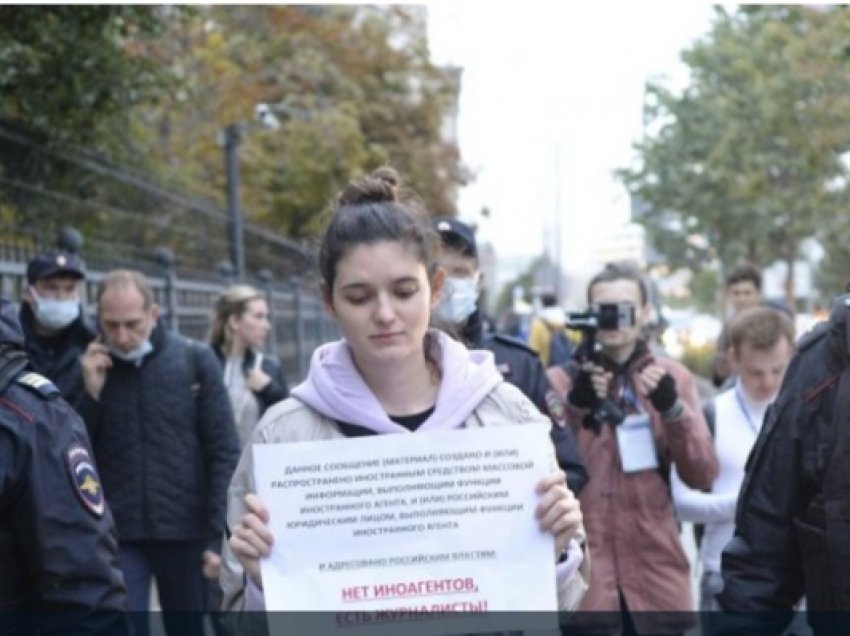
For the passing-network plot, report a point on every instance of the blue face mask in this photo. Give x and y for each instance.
(460, 298)
(55, 314)
(134, 355)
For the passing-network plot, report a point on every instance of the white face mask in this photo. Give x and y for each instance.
(460, 296)
(55, 314)
(135, 355)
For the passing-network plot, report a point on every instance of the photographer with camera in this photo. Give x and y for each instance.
(639, 414)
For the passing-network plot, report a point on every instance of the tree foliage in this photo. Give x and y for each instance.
(833, 275)
(151, 88)
(70, 73)
(746, 162)
(525, 281)
(70, 79)
(353, 88)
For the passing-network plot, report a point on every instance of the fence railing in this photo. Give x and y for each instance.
(299, 323)
(125, 213)
(177, 239)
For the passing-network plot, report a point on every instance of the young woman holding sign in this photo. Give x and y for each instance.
(390, 374)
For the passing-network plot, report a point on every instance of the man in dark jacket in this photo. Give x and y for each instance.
(792, 528)
(517, 363)
(59, 569)
(55, 329)
(163, 435)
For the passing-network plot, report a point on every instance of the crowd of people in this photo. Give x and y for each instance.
(126, 449)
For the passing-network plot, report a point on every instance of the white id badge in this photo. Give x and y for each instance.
(636, 443)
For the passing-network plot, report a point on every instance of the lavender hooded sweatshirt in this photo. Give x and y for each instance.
(335, 389)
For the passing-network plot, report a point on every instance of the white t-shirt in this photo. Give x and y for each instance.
(737, 421)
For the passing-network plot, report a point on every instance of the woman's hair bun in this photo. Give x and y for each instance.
(380, 186)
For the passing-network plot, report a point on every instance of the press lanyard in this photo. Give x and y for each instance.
(743, 406)
(627, 395)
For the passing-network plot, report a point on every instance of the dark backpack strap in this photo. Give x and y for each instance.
(708, 412)
(193, 354)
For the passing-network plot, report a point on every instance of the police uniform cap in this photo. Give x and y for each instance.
(451, 227)
(54, 263)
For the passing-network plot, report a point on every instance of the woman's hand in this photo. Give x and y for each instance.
(251, 539)
(558, 510)
(257, 379)
(211, 565)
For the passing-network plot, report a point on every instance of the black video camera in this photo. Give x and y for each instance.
(608, 316)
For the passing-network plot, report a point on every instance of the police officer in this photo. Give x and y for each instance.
(56, 331)
(517, 363)
(792, 527)
(58, 551)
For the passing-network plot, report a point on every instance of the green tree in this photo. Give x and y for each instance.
(70, 77)
(748, 156)
(525, 281)
(71, 73)
(704, 290)
(152, 88)
(834, 271)
(353, 86)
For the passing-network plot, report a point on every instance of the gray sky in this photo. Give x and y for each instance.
(547, 79)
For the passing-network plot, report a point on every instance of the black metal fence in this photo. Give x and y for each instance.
(299, 323)
(125, 214)
(178, 240)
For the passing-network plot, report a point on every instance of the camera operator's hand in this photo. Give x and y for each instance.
(659, 387)
(591, 386)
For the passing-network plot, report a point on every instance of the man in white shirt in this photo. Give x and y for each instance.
(761, 342)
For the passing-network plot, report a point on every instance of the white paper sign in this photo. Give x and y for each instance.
(410, 528)
(636, 444)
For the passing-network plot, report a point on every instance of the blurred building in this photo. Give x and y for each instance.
(626, 243)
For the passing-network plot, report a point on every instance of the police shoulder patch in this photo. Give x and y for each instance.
(555, 405)
(84, 479)
(512, 342)
(38, 383)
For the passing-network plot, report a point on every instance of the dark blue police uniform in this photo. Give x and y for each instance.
(520, 365)
(55, 354)
(59, 569)
(517, 363)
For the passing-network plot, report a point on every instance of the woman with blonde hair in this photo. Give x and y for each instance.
(254, 381)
